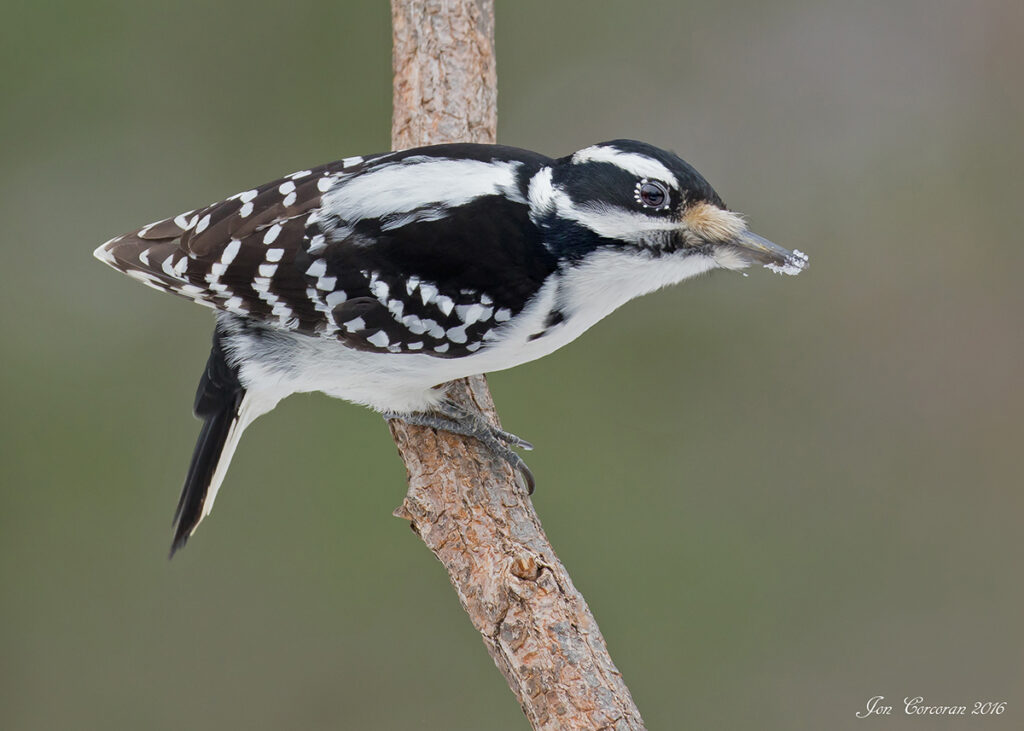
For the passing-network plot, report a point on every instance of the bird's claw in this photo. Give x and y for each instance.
(457, 420)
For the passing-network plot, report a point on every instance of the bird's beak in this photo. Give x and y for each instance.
(755, 249)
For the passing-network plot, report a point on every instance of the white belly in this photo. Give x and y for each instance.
(281, 363)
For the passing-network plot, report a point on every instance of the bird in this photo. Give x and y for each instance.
(377, 279)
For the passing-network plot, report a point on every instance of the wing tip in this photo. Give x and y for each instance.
(105, 252)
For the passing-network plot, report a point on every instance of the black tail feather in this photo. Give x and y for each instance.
(218, 401)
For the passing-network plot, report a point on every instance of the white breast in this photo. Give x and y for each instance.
(585, 294)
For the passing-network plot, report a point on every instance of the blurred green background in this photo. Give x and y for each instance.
(780, 496)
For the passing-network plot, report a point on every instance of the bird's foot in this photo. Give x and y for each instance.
(453, 418)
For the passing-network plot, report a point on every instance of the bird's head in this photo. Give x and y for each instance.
(630, 194)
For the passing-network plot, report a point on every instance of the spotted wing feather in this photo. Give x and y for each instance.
(442, 285)
(240, 254)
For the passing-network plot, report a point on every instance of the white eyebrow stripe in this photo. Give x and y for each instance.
(632, 162)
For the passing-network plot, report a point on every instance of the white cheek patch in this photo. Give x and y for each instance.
(615, 223)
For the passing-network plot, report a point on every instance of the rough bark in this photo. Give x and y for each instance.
(465, 504)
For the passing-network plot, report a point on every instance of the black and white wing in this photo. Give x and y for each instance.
(234, 255)
(403, 253)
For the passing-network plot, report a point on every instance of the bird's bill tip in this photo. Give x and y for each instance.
(754, 249)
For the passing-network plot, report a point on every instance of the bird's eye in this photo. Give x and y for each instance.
(652, 194)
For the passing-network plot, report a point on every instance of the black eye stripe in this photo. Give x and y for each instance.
(652, 194)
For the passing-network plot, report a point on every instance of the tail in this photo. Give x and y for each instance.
(226, 409)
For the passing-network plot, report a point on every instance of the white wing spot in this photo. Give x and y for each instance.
(317, 244)
(349, 162)
(248, 195)
(317, 269)
(144, 277)
(414, 324)
(327, 323)
(335, 298)
(268, 270)
(327, 284)
(446, 304)
(300, 174)
(274, 254)
(470, 313)
(442, 348)
(271, 235)
(203, 224)
(380, 339)
(245, 210)
(503, 314)
(380, 289)
(457, 334)
(286, 188)
(356, 324)
(427, 293)
(324, 183)
(289, 199)
(282, 311)
(433, 329)
(230, 252)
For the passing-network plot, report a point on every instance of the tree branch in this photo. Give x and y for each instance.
(462, 501)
